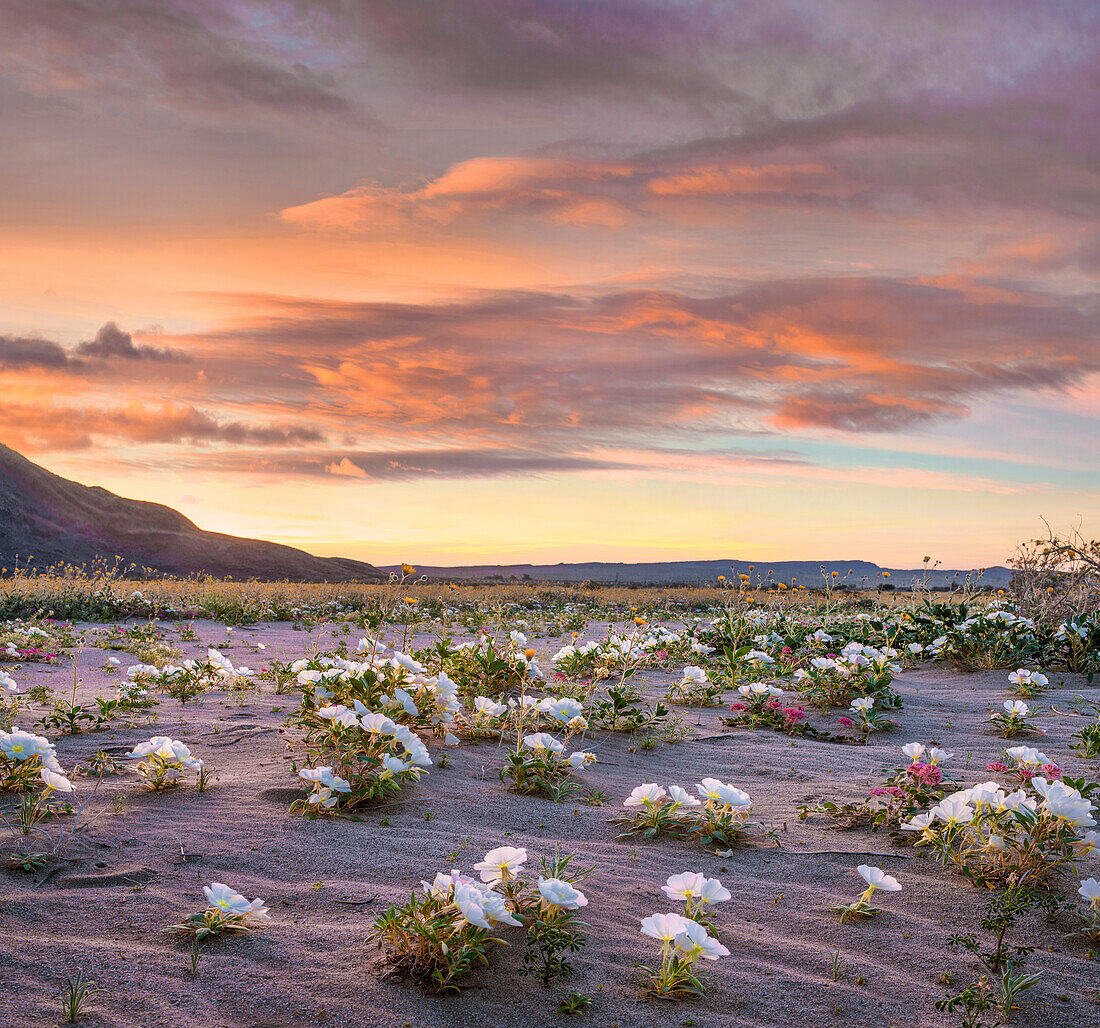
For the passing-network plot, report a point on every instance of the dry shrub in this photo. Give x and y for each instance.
(1057, 577)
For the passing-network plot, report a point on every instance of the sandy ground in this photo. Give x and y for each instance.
(132, 873)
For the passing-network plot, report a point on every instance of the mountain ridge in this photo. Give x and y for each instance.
(696, 572)
(59, 521)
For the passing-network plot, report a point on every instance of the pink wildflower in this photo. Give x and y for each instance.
(929, 774)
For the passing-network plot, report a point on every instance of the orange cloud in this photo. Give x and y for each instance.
(562, 374)
(64, 425)
(554, 188)
(346, 469)
(747, 180)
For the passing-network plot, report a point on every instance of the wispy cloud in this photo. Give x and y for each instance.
(63, 426)
(196, 55)
(400, 465)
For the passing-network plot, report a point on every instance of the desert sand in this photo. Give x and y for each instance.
(131, 873)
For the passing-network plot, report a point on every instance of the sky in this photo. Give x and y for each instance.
(552, 280)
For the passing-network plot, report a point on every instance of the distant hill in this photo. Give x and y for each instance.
(697, 572)
(59, 521)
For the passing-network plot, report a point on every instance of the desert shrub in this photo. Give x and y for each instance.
(1057, 578)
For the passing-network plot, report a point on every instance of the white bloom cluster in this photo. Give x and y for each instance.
(25, 756)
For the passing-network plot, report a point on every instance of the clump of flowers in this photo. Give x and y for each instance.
(356, 757)
(540, 766)
(556, 712)
(492, 667)
(27, 761)
(362, 720)
(864, 717)
(836, 679)
(445, 929)
(758, 701)
(398, 687)
(761, 706)
(904, 792)
(990, 835)
(653, 811)
(191, 679)
(697, 892)
(695, 688)
(1013, 719)
(162, 762)
(683, 942)
(876, 880)
(133, 695)
(442, 933)
(578, 660)
(553, 929)
(987, 639)
(718, 817)
(1027, 683)
(1026, 763)
(229, 912)
(10, 701)
(1076, 643)
(487, 718)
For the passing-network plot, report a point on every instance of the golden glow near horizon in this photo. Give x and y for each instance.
(311, 281)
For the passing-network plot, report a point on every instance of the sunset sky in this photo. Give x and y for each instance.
(503, 280)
